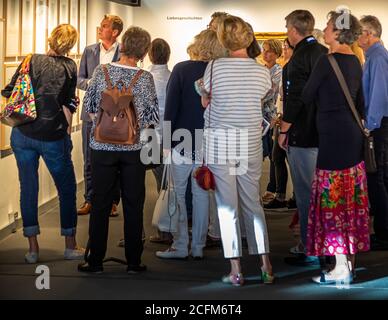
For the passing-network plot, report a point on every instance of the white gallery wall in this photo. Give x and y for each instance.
(264, 16)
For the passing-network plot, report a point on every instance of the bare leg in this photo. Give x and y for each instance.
(267, 266)
(34, 246)
(235, 266)
(70, 243)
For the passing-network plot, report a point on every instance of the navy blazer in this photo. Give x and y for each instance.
(89, 62)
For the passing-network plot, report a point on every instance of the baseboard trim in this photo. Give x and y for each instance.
(18, 224)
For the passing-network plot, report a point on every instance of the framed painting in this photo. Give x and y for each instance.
(64, 11)
(28, 26)
(74, 18)
(12, 28)
(41, 26)
(53, 13)
(83, 20)
(261, 37)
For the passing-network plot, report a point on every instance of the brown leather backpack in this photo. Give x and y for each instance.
(117, 121)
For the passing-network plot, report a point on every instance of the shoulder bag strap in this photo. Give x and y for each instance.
(107, 78)
(346, 91)
(210, 104)
(25, 68)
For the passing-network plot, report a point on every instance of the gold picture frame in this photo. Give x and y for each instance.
(263, 36)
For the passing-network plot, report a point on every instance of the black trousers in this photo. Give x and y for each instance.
(278, 170)
(87, 151)
(378, 182)
(107, 168)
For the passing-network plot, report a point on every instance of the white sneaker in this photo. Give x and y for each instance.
(31, 257)
(75, 254)
(172, 253)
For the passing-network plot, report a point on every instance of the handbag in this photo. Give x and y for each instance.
(203, 175)
(20, 107)
(166, 212)
(369, 150)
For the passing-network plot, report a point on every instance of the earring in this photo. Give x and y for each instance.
(141, 64)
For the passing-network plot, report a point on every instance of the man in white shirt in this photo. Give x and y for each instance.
(106, 51)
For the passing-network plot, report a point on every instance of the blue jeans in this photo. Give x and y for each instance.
(303, 162)
(57, 157)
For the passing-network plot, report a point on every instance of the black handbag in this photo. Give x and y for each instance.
(369, 150)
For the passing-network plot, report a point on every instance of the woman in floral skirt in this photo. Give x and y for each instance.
(339, 214)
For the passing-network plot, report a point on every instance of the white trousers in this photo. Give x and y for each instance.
(240, 191)
(180, 174)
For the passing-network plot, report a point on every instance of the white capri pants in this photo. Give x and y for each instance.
(232, 192)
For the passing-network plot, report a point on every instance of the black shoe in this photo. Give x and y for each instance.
(87, 268)
(378, 244)
(135, 269)
(244, 243)
(276, 205)
(303, 261)
(291, 204)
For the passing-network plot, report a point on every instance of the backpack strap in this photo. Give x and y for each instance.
(136, 77)
(107, 78)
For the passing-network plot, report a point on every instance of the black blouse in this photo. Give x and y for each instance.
(340, 138)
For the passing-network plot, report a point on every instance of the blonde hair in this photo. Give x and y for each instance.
(63, 38)
(275, 46)
(234, 33)
(117, 22)
(206, 47)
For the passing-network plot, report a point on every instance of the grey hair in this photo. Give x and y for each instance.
(373, 25)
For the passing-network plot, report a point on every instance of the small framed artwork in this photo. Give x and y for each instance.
(53, 10)
(64, 11)
(27, 34)
(83, 20)
(41, 26)
(12, 39)
(74, 18)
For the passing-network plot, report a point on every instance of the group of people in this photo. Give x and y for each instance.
(314, 130)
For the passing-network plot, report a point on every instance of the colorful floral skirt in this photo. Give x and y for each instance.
(339, 213)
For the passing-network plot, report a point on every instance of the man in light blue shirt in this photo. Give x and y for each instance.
(375, 82)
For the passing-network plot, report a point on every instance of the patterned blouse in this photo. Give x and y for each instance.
(270, 100)
(145, 101)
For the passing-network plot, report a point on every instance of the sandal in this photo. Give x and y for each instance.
(236, 280)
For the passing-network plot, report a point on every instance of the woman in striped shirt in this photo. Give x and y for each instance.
(233, 145)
